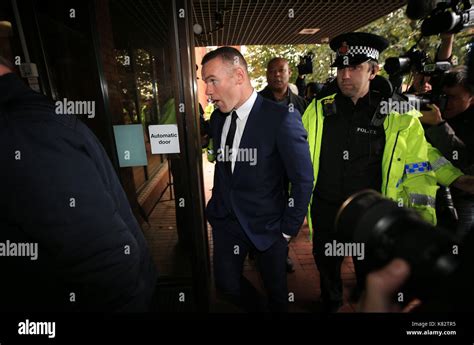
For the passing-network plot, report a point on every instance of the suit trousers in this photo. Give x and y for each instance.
(231, 246)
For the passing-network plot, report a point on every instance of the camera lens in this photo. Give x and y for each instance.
(396, 65)
(390, 231)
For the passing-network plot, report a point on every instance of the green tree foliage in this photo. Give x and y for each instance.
(401, 32)
(258, 57)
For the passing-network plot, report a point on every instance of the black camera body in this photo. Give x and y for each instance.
(424, 99)
(441, 16)
(419, 62)
(448, 16)
(306, 64)
(415, 60)
(389, 231)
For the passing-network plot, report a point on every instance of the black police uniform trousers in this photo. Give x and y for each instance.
(323, 215)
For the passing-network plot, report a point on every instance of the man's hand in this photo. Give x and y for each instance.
(4, 70)
(431, 117)
(464, 183)
(381, 287)
(446, 48)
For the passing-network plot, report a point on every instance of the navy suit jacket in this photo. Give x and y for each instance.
(256, 192)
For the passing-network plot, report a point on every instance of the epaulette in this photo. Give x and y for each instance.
(329, 106)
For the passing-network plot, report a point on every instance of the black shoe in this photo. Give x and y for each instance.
(289, 265)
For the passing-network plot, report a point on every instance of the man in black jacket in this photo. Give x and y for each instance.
(278, 90)
(451, 132)
(68, 238)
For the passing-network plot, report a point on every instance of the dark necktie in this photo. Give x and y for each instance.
(229, 142)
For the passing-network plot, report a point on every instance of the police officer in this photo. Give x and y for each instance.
(352, 149)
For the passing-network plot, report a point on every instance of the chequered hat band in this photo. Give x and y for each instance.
(361, 50)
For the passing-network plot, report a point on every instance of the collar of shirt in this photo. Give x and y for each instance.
(361, 102)
(364, 104)
(244, 110)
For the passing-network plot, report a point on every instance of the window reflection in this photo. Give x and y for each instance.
(139, 95)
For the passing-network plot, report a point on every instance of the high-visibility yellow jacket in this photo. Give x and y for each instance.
(407, 176)
(444, 170)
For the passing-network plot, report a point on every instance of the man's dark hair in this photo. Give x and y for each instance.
(458, 76)
(227, 54)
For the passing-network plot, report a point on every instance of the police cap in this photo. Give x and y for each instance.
(354, 48)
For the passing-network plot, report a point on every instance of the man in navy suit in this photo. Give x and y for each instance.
(258, 142)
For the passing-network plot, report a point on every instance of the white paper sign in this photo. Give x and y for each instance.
(164, 139)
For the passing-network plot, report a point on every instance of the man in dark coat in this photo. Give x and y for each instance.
(68, 238)
(278, 90)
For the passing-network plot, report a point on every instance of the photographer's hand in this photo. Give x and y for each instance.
(381, 287)
(431, 117)
(4, 70)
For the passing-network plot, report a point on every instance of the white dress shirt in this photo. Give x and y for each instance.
(242, 115)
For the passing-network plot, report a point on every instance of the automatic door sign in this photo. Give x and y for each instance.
(164, 139)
